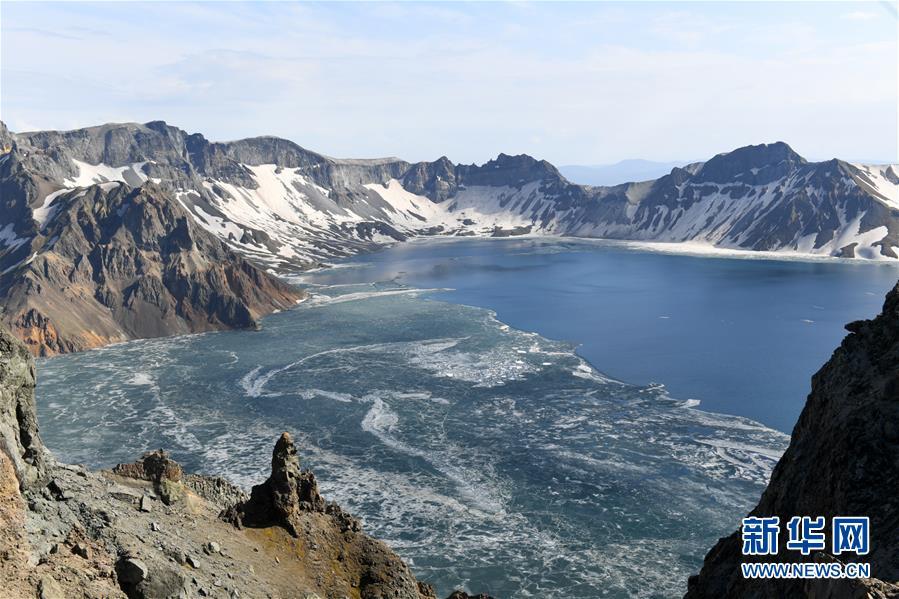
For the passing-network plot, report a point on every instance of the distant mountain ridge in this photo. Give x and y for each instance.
(624, 171)
(68, 199)
(285, 207)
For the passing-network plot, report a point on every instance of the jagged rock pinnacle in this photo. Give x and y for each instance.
(280, 499)
(284, 457)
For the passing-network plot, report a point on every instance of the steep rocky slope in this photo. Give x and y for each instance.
(112, 262)
(149, 530)
(843, 460)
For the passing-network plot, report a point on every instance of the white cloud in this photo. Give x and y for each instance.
(575, 84)
(860, 15)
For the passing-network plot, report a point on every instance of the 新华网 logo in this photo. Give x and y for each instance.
(805, 535)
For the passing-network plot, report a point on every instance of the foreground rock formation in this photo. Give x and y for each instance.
(284, 497)
(23, 465)
(289, 499)
(149, 530)
(19, 440)
(843, 460)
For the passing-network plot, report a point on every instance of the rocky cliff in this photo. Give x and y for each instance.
(22, 451)
(149, 530)
(843, 460)
(111, 262)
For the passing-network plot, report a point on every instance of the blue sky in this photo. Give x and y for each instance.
(575, 83)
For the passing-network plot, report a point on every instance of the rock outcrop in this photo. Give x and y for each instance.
(148, 530)
(154, 466)
(290, 499)
(843, 460)
(24, 464)
(284, 497)
(20, 442)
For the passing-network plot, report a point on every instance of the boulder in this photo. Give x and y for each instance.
(158, 468)
(154, 466)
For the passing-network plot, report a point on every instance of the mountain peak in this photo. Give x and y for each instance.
(509, 170)
(759, 164)
(516, 160)
(765, 153)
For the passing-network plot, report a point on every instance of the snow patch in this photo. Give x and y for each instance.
(882, 180)
(9, 239)
(91, 174)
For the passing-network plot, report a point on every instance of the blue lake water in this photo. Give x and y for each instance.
(507, 459)
(744, 336)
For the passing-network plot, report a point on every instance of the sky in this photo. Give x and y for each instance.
(573, 83)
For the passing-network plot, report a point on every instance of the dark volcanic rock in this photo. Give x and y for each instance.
(843, 460)
(441, 179)
(215, 489)
(154, 466)
(157, 581)
(508, 170)
(280, 499)
(751, 164)
(436, 180)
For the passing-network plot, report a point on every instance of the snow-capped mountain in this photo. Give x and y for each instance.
(286, 207)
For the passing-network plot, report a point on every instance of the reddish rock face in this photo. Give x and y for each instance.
(117, 263)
